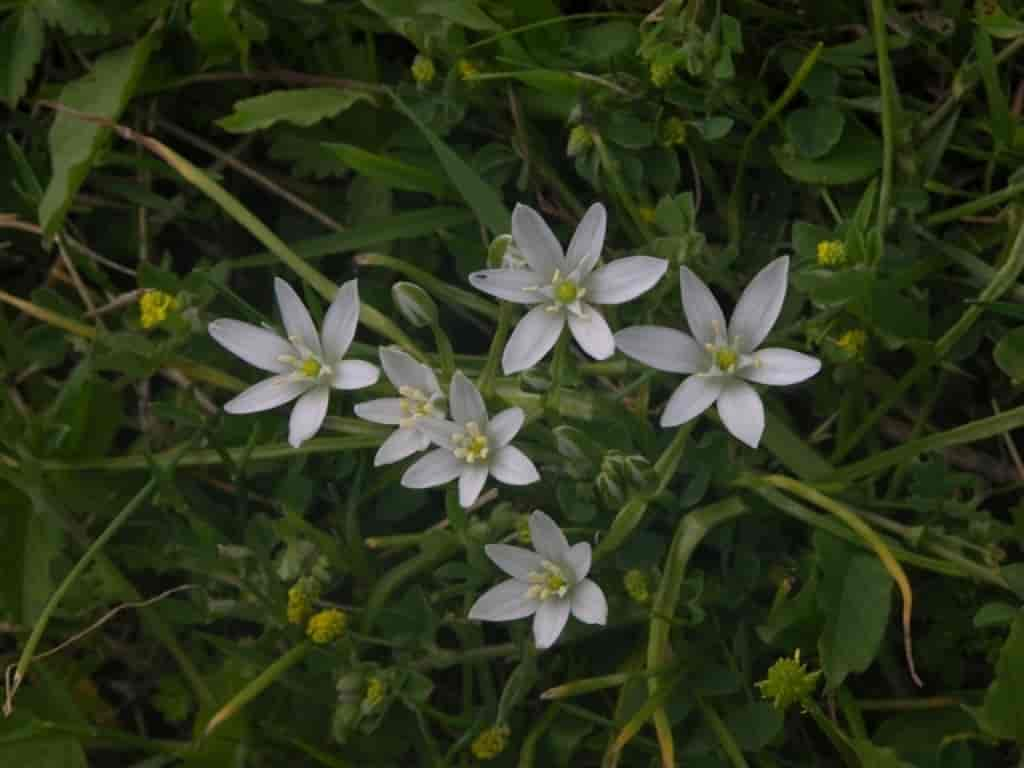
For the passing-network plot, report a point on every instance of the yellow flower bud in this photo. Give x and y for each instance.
(673, 132)
(853, 343)
(467, 69)
(580, 140)
(375, 690)
(491, 743)
(662, 73)
(154, 306)
(326, 626)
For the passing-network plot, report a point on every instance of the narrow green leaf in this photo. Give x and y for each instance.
(74, 143)
(304, 107)
(998, 106)
(21, 46)
(1009, 354)
(480, 196)
(389, 171)
(76, 17)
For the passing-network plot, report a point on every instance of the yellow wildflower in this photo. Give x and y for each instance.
(853, 343)
(423, 69)
(831, 253)
(491, 743)
(154, 306)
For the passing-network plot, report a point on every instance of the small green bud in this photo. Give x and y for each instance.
(503, 253)
(523, 530)
(662, 72)
(610, 489)
(639, 473)
(637, 586)
(788, 682)
(580, 140)
(423, 69)
(414, 304)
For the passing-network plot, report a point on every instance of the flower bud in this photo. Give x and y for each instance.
(414, 304)
(490, 743)
(423, 69)
(155, 306)
(580, 140)
(831, 253)
(503, 253)
(637, 586)
(788, 682)
(610, 489)
(327, 626)
(852, 343)
(672, 132)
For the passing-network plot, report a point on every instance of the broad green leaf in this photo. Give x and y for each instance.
(854, 596)
(814, 131)
(855, 158)
(29, 548)
(806, 237)
(1009, 354)
(876, 757)
(304, 107)
(996, 22)
(76, 17)
(1002, 714)
(465, 13)
(714, 128)
(755, 725)
(482, 198)
(21, 45)
(995, 614)
(834, 287)
(75, 143)
(389, 171)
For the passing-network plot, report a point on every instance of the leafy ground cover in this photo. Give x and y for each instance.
(808, 553)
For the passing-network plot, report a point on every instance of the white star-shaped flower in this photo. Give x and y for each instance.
(419, 395)
(548, 584)
(306, 364)
(472, 447)
(566, 287)
(723, 358)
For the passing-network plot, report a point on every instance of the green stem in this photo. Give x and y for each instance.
(801, 74)
(689, 533)
(113, 526)
(259, 684)
(722, 733)
(885, 76)
(529, 749)
(486, 380)
(444, 351)
(611, 169)
(975, 206)
(558, 362)
(831, 730)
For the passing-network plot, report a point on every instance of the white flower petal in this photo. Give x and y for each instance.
(386, 410)
(504, 426)
(663, 348)
(592, 333)
(354, 374)
(511, 466)
(537, 242)
(307, 415)
(435, 468)
(297, 322)
(759, 306)
(268, 394)
(465, 401)
(471, 482)
(587, 242)
(779, 367)
(589, 604)
(401, 444)
(624, 279)
(703, 313)
(742, 412)
(579, 559)
(517, 562)
(549, 621)
(257, 346)
(548, 539)
(691, 398)
(516, 285)
(533, 337)
(439, 431)
(340, 322)
(505, 602)
(403, 370)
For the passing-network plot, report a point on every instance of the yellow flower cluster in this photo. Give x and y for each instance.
(491, 743)
(831, 253)
(327, 626)
(423, 69)
(154, 306)
(853, 343)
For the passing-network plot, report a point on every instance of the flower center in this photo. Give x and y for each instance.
(310, 368)
(566, 292)
(471, 445)
(414, 404)
(550, 581)
(725, 359)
